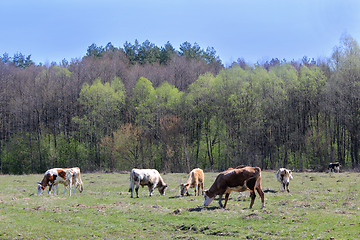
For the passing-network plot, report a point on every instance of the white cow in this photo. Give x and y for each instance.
(146, 177)
(55, 176)
(284, 176)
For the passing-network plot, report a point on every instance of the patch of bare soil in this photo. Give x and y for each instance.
(252, 216)
(176, 212)
(80, 205)
(39, 208)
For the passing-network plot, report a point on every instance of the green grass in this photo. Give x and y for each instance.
(320, 206)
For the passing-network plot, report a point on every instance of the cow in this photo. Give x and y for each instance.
(238, 180)
(284, 176)
(195, 180)
(146, 177)
(334, 166)
(75, 181)
(55, 176)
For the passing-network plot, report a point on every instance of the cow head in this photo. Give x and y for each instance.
(286, 176)
(290, 175)
(163, 189)
(207, 198)
(184, 188)
(40, 188)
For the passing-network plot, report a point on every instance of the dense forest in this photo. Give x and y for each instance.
(146, 106)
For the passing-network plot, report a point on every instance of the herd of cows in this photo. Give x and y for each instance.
(239, 179)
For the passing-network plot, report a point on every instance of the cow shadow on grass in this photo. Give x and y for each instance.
(270, 191)
(178, 196)
(199, 209)
(173, 197)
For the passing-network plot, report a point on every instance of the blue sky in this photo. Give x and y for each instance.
(256, 30)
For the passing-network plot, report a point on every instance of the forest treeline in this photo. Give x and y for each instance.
(156, 107)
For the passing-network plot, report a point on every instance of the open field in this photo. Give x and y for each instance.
(320, 206)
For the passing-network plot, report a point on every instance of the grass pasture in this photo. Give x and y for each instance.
(320, 206)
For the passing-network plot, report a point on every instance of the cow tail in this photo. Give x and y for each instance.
(258, 177)
(131, 180)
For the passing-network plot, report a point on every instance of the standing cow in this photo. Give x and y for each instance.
(55, 176)
(195, 180)
(334, 166)
(284, 176)
(76, 180)
(238, 180)
(146, 177)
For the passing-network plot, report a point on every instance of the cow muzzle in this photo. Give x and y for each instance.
(207, 200)
(40, 189)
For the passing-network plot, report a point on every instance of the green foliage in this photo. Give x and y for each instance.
(191, 52)
(102, 106)
(94, 51)
(276, 114)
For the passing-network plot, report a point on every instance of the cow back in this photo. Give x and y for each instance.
(237, 177)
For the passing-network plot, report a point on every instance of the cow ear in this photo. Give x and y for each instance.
(187, 184)
(290, 171)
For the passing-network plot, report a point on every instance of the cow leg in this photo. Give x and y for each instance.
(262, 196)
(287, 187)
(226, 199)
(57, 189)
(131, 188)
(137, 192)
(137, 189)
(64, 189)
(202, 188)
(253, 196)
(220, 203)
(76, 185)
(81, 186)
(49, 192)
(70, 185)
(196, 187)
(151, 189)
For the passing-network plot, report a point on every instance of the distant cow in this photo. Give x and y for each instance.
(238, 180)
(334, 166)
(195, 180)
(146, 177)
(284, 176)
(75, 181)
(55, 176)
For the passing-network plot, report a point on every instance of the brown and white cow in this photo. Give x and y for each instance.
(75, 181)
(146, 177)
(195, 180)
(238, 180)
(284, 176)
(55, 176)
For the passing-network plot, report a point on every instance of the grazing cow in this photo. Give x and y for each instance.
(195, 180)
(148, 177)
(334, 166)
(55, 176)
(238, 180)
(284, 176)
(75, 181)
